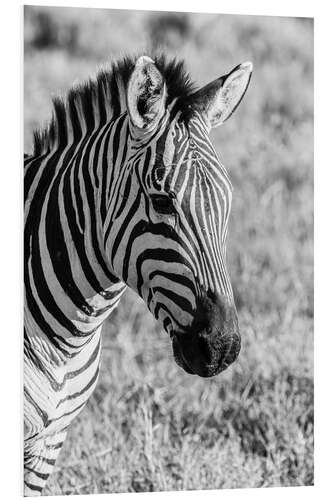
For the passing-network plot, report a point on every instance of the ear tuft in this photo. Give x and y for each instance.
(143, 60)
(246, 66)
(146, 94)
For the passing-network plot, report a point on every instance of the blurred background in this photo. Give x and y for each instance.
(149, 426)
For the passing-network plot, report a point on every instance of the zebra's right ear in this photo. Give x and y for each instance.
(146, 94)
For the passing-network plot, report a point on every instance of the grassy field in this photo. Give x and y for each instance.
(149, 426)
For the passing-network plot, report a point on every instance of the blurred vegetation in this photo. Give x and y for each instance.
(149, 426)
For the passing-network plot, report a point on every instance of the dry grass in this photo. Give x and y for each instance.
(149, 426)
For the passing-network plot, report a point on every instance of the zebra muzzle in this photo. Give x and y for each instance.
(212, 343)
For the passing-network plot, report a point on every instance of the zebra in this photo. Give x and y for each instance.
(123, 189)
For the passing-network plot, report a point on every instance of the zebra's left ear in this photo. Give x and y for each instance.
(219, 99)
(146, 94)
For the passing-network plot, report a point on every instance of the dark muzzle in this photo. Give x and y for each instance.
(212, 342)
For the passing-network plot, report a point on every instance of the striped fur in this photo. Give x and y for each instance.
(107, 207)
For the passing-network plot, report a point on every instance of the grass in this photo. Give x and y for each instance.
(149, 426)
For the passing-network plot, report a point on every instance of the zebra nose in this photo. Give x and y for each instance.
(215, 312)
(212, 342)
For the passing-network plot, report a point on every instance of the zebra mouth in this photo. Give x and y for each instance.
(196, 356)
(179, 358)
(209, 370)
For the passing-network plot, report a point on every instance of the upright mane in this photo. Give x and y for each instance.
(103, 98)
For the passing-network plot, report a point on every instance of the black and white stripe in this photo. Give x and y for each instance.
(108, 205)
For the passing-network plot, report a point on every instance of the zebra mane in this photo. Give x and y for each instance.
(107, 93)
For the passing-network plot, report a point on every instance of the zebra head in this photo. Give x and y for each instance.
(169, 225)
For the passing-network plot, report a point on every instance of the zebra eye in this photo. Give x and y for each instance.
(163, 204)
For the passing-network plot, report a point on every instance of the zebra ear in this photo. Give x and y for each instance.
(146, 94)
(219, 99)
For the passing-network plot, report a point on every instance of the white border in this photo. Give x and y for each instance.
(291, 8)
(11, 236)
